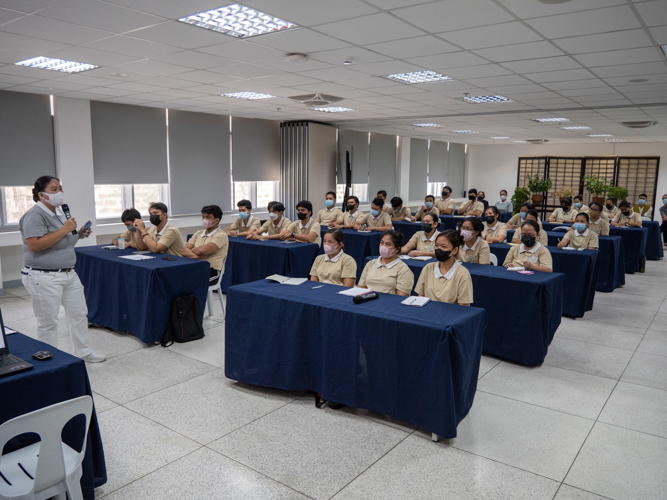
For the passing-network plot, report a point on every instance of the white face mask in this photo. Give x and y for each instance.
(273, 216)
(54, 199)
(503, 197)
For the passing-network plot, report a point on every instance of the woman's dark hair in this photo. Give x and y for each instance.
(476, 224)
(245, 203)
(532, 224)
(494, 209)
(396, 237)
(583, 214)
(503, 191)
(579, 197)
(434, 219)
(305, 204)
(337, 234)
(453, 236)
(396, 201)
(613, 200)
(40, 185)
(567, 201)
(379, 202)
(277, 207)
(528, 205)
(596, 204)
(213, 210)
(130, 215)
(625, 204)
(533, 213)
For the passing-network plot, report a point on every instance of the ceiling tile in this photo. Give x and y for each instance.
(660, 34)
(56, 84)
(154, 67)
(241, 50)
(388, 68)
(288, 80)
(246, 70)
(544, 64)
(25, 44)
(9, 57)
(451, 15)
(492, 36)
(413, 47)
(323, 87)
(334, 74)
(587, 22)
(518, 52)
(497, 81)
(168, 82)
(170, 9)
(302, 40)
(372, 83)
(357, 55)
(92, 56)
(560, 76)
(653, 13)
(202, 76)
(129, 46)
(8, 15)
(600, 42)
(193, 59)
(629, 70)
(478, 71)
(85, 79)
(614, 57)
(370, 29)
(181, 35)
(281, 64)
(527, 10)
(51, 29)
(444, 61)
(312, 12)
(576, 84)
(27, 5)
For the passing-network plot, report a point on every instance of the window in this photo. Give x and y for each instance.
(563, 173)
(358, 190)
(259, 193)
(435, 188)
(638, 176)
(112, 199)
(16, 200)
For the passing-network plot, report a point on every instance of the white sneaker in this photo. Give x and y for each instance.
(93, 357)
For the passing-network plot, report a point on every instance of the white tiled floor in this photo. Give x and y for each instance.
(589, 424)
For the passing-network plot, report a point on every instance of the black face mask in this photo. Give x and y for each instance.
(301, 215)
(627, 214)
(442, 255)
(472, 197)
(490, 219)
(609, 207)
(528, 241)
(566, 207)
(155, 220)
(445, 194)
(132, 229)
(350, 207)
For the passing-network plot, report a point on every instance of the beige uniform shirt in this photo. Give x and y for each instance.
(542, 238)
(601, 226)
(441, 204)
(271, 229)
(349, 219)
(539, 255)
(500, 229)
(170, 237)
(611, 213)
(473, 207)
(455, 287)
(334, 270)
(129, 237)
(516, 220)
(584, 209)
(312, 226)
(479, 253)
(421, 213)
(387, 279)
(381, 220)
(560, 215)
(588, 239)
(422, 243)
(620, 218)
(221, 240)
(243, 226)
(328, 214)
(403, 212)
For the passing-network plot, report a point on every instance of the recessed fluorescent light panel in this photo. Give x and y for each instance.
(664, 49)
(545, 120)
(464, 131)
(614, 140)
(419, 77)
(600, 135)
(521, 142)
(485, 98)
(56, 65)
(250, 96)
(435, 125)
(239, 21)
(500, 138)
(576, 128)
(334, 109)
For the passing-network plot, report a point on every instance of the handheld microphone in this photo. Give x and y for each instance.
(65, 208)
(360, 299)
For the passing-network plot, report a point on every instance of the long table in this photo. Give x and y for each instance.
(249, 260)
(523, 311)
(416, 364)
(59, 379)
(581, 269)
(358, 245)
(654, 249)
(135, 296)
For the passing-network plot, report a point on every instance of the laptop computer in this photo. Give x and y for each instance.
(9, 363)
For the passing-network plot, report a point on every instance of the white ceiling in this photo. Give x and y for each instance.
(580, 60)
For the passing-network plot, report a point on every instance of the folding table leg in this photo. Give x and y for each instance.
(434, 437)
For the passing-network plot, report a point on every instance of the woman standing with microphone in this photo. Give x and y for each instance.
(48, 273)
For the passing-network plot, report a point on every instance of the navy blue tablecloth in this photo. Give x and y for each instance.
(581, 270)
(249, 260)
(58, 379)
(358, 245)
(523, 311)
(654, 250)
(416, 364)
(135, 296)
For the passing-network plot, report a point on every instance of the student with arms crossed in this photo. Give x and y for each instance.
(472, 206)
(272, 228)
(376, 220)
(335, 266)
(446, 205)
(210, 244)
(494, 230)
(352, 215)
(397, 211)
(565, 213)
(423, 242)
(130, 236)
(162, 237)
(245, 222)
(626, 217)
(305, 230)
(329, 215)
(427, 208)
(504, 205)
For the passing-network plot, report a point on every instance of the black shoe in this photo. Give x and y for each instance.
(335, 406)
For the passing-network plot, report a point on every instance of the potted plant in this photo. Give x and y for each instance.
(597, 187)
(620, 193)
(521, 195)
(564, 192)
(538, 187)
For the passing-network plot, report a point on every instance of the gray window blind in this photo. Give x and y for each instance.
(26, 138)
(382, 165)
(129, 144)
(418, 159)
(198, 161)
(457, 168)
(357, 144)
(255, 150)
(437, 162)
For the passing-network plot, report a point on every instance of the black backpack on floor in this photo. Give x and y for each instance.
(185, 321)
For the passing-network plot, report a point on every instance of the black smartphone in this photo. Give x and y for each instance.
(168, 258)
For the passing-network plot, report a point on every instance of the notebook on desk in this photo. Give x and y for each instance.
(9, 363)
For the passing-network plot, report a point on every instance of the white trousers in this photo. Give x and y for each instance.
(51, 290)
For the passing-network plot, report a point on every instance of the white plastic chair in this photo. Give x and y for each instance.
(211, 289)
(647, 219)
(494, 260)
(47, 468)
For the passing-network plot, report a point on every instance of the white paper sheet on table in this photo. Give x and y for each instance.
(353, 292)
(284, 280)
(110, 247)
(9, 331)
(516, 268)
(136, 257)
(416, 301)
(568, 248)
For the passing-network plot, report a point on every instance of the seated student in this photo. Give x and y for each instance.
(335, 266)
(542, 238)
(446, 280)
(530, 255)
(382, 194)
(565, 213)
(352, 215)
(642, 209)
(376, 220)
(597, 223)
(396, 210)
(610, 207)
(517, 219)
(494, 230)
(163, 237)
(210, 244)
(472, 206)
(427, 208)
(422, 242)
(504, 205)
(272, 228)
(329, 215)
(388, 274)
(245, 222)
(626, 217)
(305, 230)
(446, 205)
(579, 204)
(128, 217)
(473, 249)
(579, 236)
(481, 196)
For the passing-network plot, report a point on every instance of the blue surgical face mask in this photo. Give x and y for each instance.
(428, 204)
(329, 203)
(243, 215)
(664, 200)
(577, 205)
(523, 214)
(375, 213)
(641, 202)
(580, 227)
